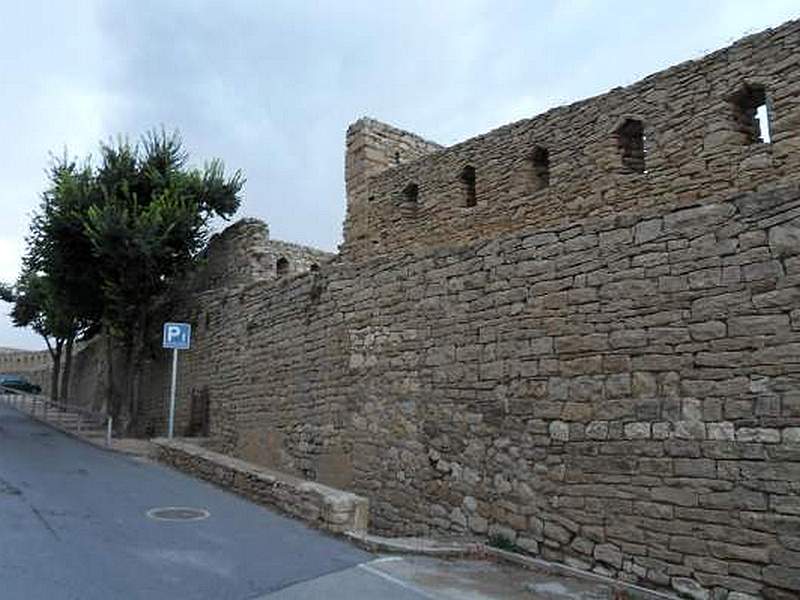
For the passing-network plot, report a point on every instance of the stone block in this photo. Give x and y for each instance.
(646, 231)
(707, 330)
(478, 524)
(557, 532)
(723, 430)
(700, 467)
(758, 434)
(758, 325)
(597, 430)
(559, 431)
(784, 240)
(637, 431)
(738, 499)
(690, 430)
(671, 495)
(791, 435)
(690, 588)
(731, 551)
(609, 554)
(783, 576)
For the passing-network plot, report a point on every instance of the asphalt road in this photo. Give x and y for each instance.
(73, 525)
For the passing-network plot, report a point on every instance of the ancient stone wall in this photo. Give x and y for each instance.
(685, 135)
(244, 252)
(239, 256)
(373, 147)
(22, 361)
(588, 344)
(35, 366)
(620, 395)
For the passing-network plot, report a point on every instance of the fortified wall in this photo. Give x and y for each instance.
(33, 365)
(682, 136)
(240, 255)
(579, 332)
(22, 361)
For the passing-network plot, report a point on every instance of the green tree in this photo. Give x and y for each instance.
(146, 224)
(109, 242)
(35, 305)
(59, 250)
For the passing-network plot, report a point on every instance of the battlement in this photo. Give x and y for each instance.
(244, 252)
(24, 361)
(709, 128)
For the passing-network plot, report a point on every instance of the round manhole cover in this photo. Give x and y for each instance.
(177, 513)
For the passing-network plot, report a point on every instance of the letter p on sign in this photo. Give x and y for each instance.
(177, 335)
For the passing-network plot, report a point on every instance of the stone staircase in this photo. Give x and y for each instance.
(94, 426)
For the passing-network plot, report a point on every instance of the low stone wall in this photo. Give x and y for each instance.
(319, 505)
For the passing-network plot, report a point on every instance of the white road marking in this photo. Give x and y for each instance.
(384, 560)
(399, 582)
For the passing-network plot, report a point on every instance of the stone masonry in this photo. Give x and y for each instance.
(697, 141)
(621, 395)
(579, 332)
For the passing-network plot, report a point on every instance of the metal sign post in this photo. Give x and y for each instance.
(177, 336)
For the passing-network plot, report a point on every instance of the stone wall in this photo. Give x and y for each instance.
(373, 147)
(34, 366)
(620, 395)
(238, 256)
(603, 370)
(244, 252)
(697, 143)
(23, 361)
(317, 504)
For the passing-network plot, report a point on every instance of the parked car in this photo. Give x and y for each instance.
(14, 384)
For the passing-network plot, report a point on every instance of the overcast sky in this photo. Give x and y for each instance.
(270, 87)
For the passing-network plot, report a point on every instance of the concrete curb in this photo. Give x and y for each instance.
(476, 550)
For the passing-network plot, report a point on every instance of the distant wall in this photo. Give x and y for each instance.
(244, 252)
(20, 361)
(33, 365)
(698, 144)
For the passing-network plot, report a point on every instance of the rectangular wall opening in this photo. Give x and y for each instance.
(539, 168)
(468, 182)
(752, 114)
(631, 145)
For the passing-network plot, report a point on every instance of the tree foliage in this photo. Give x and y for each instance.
(109, 239)
(150, 221)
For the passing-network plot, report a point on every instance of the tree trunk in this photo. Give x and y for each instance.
(111, 407)
(137, 356)
(65, 376)
(55, 374)
(130, 374)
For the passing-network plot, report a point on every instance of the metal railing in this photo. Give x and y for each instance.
(52, 411)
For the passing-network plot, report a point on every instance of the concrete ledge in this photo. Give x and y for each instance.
(321, 506)
(475, 550)
(412, 545)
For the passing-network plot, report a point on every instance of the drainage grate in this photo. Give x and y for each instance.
(178, 513)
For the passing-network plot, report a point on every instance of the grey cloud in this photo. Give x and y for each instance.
(270, 87)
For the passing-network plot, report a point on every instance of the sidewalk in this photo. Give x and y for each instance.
(86, 425)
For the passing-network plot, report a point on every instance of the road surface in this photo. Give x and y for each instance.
(74, 525)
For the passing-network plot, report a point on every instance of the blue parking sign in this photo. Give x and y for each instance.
(177, 335)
